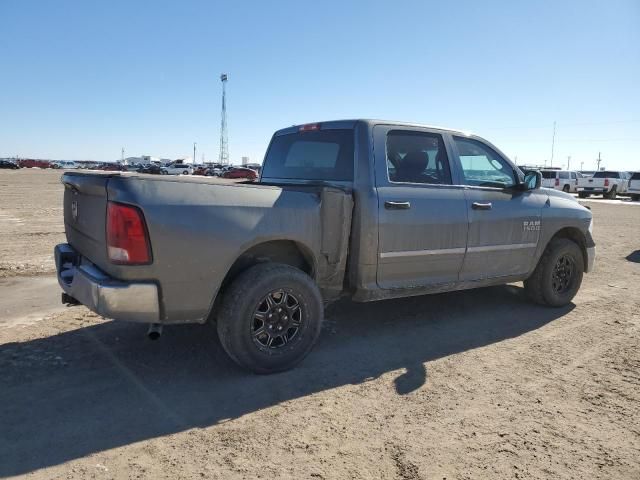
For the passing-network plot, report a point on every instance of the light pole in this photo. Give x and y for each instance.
(194, 152)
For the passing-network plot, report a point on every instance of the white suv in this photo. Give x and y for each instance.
(179, 169)
(564, 180)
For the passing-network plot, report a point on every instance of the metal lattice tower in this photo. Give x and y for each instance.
(224, 141)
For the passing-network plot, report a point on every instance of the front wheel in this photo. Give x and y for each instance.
(558, 275)
(270, 318)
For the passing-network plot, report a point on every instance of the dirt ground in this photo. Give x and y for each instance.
(467, 385)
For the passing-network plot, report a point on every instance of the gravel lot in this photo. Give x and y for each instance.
(477, 384)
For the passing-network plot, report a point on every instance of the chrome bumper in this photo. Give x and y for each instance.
(591, 258)
(110, 298)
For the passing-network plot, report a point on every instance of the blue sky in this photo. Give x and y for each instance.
(81, 79)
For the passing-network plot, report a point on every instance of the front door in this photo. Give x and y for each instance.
(422, 216)
(504, 222)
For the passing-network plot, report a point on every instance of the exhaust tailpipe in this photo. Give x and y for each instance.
(154, 332)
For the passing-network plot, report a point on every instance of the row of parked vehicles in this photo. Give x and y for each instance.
(174, 168)
(208, 170)
(608, 183)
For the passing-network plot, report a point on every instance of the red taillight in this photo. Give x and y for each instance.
(310, 127)
(606, 182)
(127, 240)
(557, 182)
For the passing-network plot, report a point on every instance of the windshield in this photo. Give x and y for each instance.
(315, 155)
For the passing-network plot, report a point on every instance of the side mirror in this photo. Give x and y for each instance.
(532, 180)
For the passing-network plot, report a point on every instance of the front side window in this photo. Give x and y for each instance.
(482, 166)
(417, 157)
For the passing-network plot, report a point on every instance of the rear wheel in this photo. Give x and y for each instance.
(612, 194)
(270, 318)
(635, 198)
(558, 275)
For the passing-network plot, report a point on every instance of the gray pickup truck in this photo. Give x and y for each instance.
(360, 208)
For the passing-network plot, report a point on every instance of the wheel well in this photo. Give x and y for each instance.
(287, 252)
(576, 236)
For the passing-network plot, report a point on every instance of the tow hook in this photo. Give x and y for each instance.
(154, 332)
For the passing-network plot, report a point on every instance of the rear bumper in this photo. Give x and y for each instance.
(593, 190)
(110, 298)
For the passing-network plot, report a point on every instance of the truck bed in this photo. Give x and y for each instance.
(198, 227)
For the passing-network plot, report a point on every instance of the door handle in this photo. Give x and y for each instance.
(481, 206)
(397, 205)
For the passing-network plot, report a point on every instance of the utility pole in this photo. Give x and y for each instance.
(122, 155)
(581, 166)
(553, 141)
(194, 152)
(599, 160)
(224, 141)
(569, 162)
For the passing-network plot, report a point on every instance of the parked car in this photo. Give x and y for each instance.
(8, 165)
(240, 172)
(32, 163)
(365, 209)
(606, 183)
(634, 186)
(66, 164)
(153, 168)
(564, 180)
(201, 170)
(179, 169)
(113, 167)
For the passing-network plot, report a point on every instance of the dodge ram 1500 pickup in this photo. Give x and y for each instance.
(360, 208)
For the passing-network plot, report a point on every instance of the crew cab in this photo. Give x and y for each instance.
(367, 209)
(604, 182)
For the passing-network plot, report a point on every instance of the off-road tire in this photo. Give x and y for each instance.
(540, 285)
(237, 311)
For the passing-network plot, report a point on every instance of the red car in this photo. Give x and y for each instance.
(31, 163)
(240, 172)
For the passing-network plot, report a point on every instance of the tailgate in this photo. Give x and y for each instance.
(85, 208)
(591, 182)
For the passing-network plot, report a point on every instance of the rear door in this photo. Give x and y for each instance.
(422, 215)
(504, 222)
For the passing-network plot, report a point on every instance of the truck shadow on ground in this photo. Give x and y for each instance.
(100, 387)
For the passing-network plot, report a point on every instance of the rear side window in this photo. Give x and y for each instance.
(563, 175)
(314, 155)
(606, 175)
(417, 157)
(548, 174)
